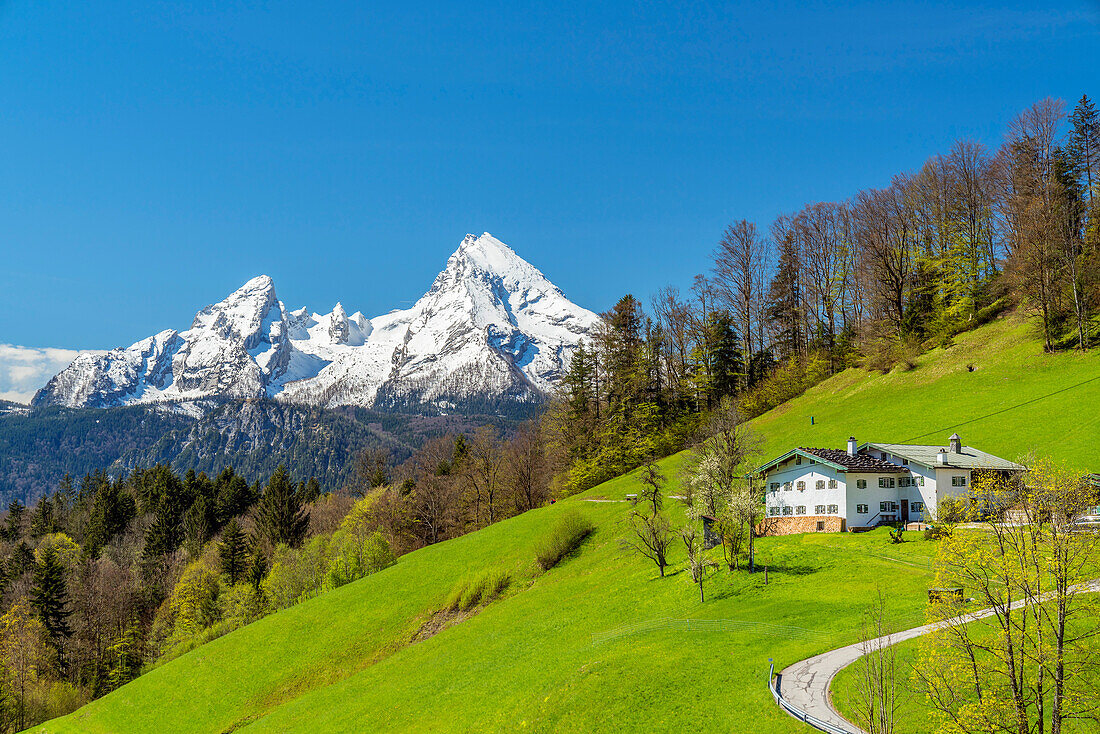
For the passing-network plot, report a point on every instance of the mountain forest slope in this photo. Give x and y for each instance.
(556, 651)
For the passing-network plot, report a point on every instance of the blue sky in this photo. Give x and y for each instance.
(155, 155)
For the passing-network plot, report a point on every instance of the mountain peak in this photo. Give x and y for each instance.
(259, 284)
(485, 254)
(492, 327)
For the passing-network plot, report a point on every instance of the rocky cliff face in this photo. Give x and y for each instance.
(491, 329)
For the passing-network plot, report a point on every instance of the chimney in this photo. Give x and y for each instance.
(956, 444)
(851, 445)
(941, 457)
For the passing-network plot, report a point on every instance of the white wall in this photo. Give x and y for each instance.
(937, 485)
(811, 496)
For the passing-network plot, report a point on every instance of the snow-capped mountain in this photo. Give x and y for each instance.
(491, 329)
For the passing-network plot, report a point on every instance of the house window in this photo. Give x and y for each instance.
(801, 486)
(820, 484)
(861, 509)
(819, 509)
(800, 510)
(820, 526)
(787, 510)
(773, 486)
(958, 481)
(905, 462)
(861, 484)
(920, 480)
(798, 460)
(786, 486)
(885, 482)
(832, 484)
(905, 481)
(833, 509)
(917, 507)
(773, 511)
(887, 506)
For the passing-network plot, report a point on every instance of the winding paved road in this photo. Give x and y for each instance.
(805, 684)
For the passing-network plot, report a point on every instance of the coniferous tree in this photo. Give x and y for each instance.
(21, 561)
(309, 491)
(785, 312)
(280, 516)
(112, 509)
(234, 496)
(1084, 144)
(50, 599)
(43, 521)
(163, 536)
(257, 565)
(14, 527)
(233, 552)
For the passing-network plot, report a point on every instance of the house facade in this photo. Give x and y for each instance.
(832, 490)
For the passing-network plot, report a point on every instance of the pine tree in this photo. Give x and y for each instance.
(257, 566)
(14, 528)
(786, 312)
(50, 599)
(1084, 140)
(279, 516)
(310, 491)
(233, 552)
(43, 521)
(21, 561)
(163, 536)
(198, 522)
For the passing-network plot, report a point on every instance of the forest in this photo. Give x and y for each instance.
(108, 575)
(872, 281)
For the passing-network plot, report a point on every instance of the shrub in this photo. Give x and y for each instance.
(935, 532)
(566, 537)
(487, 586)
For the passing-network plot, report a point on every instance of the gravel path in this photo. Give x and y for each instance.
(805, 684)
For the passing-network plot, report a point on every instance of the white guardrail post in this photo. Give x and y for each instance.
(798, 713)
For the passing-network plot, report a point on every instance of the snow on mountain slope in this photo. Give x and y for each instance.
(492, 327)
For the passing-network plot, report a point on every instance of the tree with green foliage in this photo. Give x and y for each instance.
(21, 561)
(43, 521)
(309, 491)
(50, 599)
(257, 566)
(198, 525)
(125, 657)
(279, 516)
(233, 552)
(112, 509)
(13, 529)
(234, 496)
(163, 535)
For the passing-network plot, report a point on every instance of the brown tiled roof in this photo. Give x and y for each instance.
(859, 462)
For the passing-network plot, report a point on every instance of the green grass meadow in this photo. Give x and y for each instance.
(550, 654)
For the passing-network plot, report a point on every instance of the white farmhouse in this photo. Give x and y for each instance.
(832, 490)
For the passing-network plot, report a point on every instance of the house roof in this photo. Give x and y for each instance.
(837, 459)
(857, 463)
(968, 458)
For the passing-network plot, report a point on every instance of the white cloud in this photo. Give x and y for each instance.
(23, 370)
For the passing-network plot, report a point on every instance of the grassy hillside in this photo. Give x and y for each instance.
(343, 661)
(553, 654)
(1011, 378)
